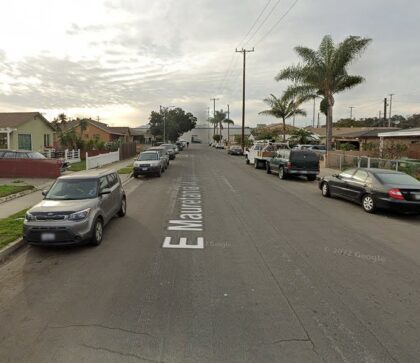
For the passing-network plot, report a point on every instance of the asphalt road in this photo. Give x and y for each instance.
(284, 275)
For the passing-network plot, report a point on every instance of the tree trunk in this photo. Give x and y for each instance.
(284, 129)
(228, 134)
(329, 127)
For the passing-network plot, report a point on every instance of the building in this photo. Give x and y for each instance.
(142, 135)
(361, 138)
(25, 131)
(204, 133)
(408, 137)
(95, 130)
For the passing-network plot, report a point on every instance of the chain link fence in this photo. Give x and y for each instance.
(343, 161)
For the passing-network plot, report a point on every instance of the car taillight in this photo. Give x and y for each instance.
(289, 165)
(395, 194)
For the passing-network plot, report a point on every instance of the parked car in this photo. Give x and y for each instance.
(294, 162)
(147, 163)
(163, 153)
(32, 155)
(219, 145)
(374, 189)
(76, 209)
(263, 151)
(235, 150)
(180, 145)
(170, 149)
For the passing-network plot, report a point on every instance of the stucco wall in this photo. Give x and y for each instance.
(91, 132)
(35, 127)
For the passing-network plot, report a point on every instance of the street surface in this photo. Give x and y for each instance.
(283, 275)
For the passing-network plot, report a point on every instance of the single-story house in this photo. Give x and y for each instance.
(25, 131)
(142, 135)
(99, 130)
(361, 137)
(408, 137)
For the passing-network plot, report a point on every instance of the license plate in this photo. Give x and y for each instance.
(416, 196)
(47, 237)
(144, 168)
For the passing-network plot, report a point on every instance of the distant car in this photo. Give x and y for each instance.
(374, 189)
(75, 209)
(180, 145)
(32, 155)
(163, 153)
(235, 150)
(219, 146)
(170, 149)
(147, 163)
(294, 162)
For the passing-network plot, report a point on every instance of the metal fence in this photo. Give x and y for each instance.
(102, 159)
(71, 156)
(343, 161)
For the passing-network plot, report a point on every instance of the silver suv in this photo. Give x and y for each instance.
(149, 162)
(76, 209)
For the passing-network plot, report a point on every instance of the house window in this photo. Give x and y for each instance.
(3, 140)
(25, 141)
(47, 140)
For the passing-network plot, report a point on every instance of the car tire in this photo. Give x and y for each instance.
(282, 173)
(135, 176)
(159, 173)
(311, 177)
(325, 190)
(123, 209)
(267, 168)
(247, 161)
(256, 164)
(98, 232)
(368, 203)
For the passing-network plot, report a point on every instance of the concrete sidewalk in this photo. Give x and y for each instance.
(29, 200)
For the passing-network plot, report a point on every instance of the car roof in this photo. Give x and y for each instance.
(156, 148)
(88, 174)
(380, 171)
(149, 151)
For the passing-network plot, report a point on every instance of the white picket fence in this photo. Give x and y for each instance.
(71, 156)
(102, 159)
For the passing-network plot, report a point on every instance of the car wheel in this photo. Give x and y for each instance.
(282, 173)
(325, 190)
(247, 161)
(256, 164)
(311, 177)
(135, 175)
(368, 203)
(123, 209)
(98, 231)
(159, 173)
(267, 168)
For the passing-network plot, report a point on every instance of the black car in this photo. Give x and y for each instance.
(294, 162)
(235, 150)
(375, 189)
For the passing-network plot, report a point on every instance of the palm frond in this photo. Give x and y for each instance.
(293, 73)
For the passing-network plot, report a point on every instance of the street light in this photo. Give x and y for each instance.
(165, 108)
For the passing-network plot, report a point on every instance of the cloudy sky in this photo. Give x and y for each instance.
(120, 59)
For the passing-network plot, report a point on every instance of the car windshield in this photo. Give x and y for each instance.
(148, 156)
(73, 189)
(402, 179)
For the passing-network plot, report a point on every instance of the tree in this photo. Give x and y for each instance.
(217, 138)
(302, 136)
(83, 124)
(323, 72)
(177, 123)
(284, 107)
(219, 117)
(228, 122)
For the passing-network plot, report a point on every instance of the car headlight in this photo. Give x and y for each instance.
(29, 216)
(80, 215)
(136, 164)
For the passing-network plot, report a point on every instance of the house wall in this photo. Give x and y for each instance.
(35, 127)
(91, 132)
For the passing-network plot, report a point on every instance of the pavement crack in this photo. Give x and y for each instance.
(99, 326)
(291, 340)
(122, 354)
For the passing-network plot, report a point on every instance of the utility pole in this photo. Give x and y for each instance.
(318, 121)
(243, 51)
(380, 114)
(208, 125)
(214, 113)
(313, 116)
(351, 112)
(390, 108)
(385, 106)
(293, 120)
(228, 118)
(165, 110)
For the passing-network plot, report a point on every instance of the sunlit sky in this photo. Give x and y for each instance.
(120, 59)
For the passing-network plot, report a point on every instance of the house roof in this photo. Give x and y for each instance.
(100, 125)
(120, 129)
(366, 133)
(341, 131)
(406, 132)
(16, 119)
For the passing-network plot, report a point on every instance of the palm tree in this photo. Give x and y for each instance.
(284, 107)
(323, 72)
(302, 136)
(228, 122)
(214, 122)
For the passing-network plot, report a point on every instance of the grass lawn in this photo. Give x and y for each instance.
(11, 228)
(126, 170)
(78, 166)
(8, 189)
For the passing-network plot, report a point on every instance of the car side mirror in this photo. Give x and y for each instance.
(44, 193)
(105, 191)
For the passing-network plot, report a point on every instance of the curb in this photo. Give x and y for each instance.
(11, 248)
(10, 197)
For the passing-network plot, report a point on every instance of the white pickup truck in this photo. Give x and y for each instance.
(262, 151)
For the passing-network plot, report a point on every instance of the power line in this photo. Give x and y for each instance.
(278, 22)
(263, 22)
